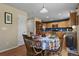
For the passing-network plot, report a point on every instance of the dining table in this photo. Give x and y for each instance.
(47, 44)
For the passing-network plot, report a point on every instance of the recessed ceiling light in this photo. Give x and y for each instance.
(59, 14)
(47, 17)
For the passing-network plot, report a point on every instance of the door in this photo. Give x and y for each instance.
(21, 29)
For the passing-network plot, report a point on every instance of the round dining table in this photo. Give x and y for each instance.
(47, 44)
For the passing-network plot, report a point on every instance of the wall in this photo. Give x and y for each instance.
(78, 31)
(78, 38)
(30, 26)
(8, 32)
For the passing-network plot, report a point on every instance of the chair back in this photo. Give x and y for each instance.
(28, 43)
(30, 51)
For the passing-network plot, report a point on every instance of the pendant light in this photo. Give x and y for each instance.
(43, 10)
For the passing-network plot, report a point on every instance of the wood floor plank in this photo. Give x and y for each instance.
(20, 51)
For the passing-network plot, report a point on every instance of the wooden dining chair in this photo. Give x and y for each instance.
(56, 51)
(30, 50)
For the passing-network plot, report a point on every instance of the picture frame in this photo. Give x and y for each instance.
(8, 18)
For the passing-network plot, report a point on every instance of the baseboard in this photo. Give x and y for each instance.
(20, 44)
(8, 49)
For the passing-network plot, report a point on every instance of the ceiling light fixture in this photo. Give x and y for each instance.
(47, 17)
(43, 10)
(59, 14)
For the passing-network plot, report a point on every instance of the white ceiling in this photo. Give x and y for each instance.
(55, 10)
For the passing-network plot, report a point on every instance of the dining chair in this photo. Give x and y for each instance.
(56, 51)
(30, 50)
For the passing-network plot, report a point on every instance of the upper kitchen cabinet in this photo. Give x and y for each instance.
(73, 18)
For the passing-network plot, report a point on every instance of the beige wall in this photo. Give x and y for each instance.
(78, 38)
(8, 32)
(78, 31)
(78, 35)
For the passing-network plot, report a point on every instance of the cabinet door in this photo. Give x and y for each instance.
(54, 25)
(77, 20)
(38, 27)
(73, 17)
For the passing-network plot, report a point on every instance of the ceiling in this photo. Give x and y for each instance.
(55, 10)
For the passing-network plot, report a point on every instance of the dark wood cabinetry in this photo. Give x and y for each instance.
(77, 20)
(38, 27)
(73, 18)
(74, 21)
(54, 25)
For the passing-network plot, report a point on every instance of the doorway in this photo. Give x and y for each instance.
(21, 29)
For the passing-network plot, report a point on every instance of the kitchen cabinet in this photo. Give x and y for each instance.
(73, 18)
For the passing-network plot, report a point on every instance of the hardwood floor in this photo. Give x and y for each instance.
(20, 51)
